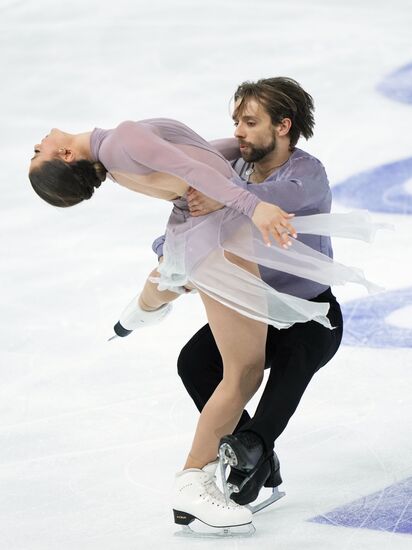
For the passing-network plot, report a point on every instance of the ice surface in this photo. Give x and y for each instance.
(387, 510)
(92, 432)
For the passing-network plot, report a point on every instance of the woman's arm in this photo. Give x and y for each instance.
(143, 145)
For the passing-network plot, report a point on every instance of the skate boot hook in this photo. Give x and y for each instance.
(251, 468)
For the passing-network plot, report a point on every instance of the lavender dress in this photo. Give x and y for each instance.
(158, 156)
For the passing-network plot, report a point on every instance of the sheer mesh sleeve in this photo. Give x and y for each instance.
(144, 146)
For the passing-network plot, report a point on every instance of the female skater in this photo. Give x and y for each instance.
(217, 254)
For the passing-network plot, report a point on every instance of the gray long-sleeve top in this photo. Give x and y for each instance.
(300, 186)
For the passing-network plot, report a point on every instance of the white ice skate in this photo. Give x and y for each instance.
(133, 317)
(196, 496)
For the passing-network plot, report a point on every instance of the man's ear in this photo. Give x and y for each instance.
(66, 154)
(282, 129)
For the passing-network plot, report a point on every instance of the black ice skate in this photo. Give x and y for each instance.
(251, 468)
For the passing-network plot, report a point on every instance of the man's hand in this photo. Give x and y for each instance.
(200, 205)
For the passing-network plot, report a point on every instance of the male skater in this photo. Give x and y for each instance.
(270, 115)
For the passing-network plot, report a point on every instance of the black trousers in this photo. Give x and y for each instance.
(293, 356)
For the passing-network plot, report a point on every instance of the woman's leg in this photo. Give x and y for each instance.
(151, 297)
(241, 342)
(200, 368)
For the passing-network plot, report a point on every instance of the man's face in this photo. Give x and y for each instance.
(254, 130)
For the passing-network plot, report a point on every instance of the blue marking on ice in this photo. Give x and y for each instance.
(365, 325)
(381, 189)
(398, 84)
(387, 510)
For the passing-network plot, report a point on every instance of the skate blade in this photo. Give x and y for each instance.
(225, 486)
(203, 531)
(276, 495)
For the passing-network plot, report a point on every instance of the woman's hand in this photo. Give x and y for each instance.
(199, 204)
(272, 220)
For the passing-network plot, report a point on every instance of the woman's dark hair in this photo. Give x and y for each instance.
(65, 184)
(282, 97)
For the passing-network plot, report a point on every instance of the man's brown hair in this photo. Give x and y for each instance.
(281, 97)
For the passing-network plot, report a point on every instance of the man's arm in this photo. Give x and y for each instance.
(305, 187)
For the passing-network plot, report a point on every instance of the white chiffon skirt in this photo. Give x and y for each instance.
(194, 254)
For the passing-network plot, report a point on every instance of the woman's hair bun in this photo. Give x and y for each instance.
(89, 176)
(65, 184)
(100, 172)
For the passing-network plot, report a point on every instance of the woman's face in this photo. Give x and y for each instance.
(51, 146)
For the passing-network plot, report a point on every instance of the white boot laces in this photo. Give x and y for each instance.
(217, 497)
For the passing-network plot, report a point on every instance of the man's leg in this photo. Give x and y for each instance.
(294, 355)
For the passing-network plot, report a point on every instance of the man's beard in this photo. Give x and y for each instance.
(254, 154)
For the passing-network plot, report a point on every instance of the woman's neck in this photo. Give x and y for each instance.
(81, 144)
